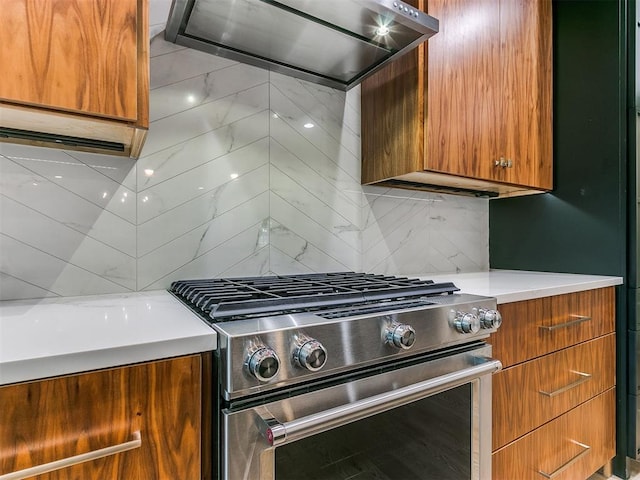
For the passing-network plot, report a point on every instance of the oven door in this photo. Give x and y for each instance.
(423, 419)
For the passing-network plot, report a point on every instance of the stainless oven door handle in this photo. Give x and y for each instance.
(278, 434)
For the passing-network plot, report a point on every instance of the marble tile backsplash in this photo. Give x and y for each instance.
(244, 172)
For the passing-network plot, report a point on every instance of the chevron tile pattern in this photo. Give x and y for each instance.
(244, 172)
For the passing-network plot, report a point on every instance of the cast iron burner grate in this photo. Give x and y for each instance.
(223, 299)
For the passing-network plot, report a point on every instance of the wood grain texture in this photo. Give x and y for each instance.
(520, 337)
(52, 419)
(74, 55)
(550, 446)
(526, 92)
(392, 102)
(463, 75)
(518, 405)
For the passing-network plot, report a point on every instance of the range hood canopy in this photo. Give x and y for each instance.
(336, 43)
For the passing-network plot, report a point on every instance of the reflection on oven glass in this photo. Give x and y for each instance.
(427, 439)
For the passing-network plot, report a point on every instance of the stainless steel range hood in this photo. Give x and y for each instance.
(331, 42)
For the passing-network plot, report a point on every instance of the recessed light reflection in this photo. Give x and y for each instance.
(148, 172)
(57, 176)
(233, 176)
(35, 184)
(200, 188)
(382, 30)
(191, 98)
(145, 199)
(308, 125)
(104, 194)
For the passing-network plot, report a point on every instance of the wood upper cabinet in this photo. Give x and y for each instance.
(154, 409)
(75, 68)
(477, 96)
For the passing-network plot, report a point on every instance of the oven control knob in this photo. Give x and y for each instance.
(263, 363)
(466, 322)
(489, 318)
(310, 355)
(401, 335)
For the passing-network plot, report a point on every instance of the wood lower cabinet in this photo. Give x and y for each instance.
(554, 400)
(572, 447)
(77, 71)
(155, 409)
(469, 110)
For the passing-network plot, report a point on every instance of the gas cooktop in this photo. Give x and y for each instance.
(224, 299)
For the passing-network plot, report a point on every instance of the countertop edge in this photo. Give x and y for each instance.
(41, 368)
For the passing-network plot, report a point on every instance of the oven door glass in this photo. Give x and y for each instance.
(429, 438)
(430, 418)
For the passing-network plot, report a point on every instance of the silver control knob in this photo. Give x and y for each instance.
(466, 322)
(263, 363)
(489, 318)
(401, 335)
(310, 355)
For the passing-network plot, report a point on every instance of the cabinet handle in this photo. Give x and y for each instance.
(570, 323)
(585, 377)
(566, 465)
(136, 442)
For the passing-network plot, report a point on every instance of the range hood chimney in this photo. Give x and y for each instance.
(336, 43)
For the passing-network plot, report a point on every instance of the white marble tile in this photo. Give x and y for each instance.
(183, 126)
(78, 178)
(180, 189)
(184, 156)
(302, 251)
(50, 273)
(12, 288)
(201, 240)
(331, 218)
(228, 254)
(61, 205)
(159, 11)
(182, 64)
(324, 106)
(38, 231)
(256, 265)
(316, 136)
(283, 264)
(120, 169)
(326, 168)
(208, 87)
(159, 46)
(194, 213)
(305, 227)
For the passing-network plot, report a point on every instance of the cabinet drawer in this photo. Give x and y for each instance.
(571, 447)
(536, 327)
(549, 386)
(158, 403)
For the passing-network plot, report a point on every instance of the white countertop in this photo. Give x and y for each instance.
(49, 337)
(516, 285)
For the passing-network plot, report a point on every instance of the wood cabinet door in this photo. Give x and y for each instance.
(539, 326)
(532, 393)
(158, 402)
(573, 446)
(71, 55)
(463, 89)
(525, 121)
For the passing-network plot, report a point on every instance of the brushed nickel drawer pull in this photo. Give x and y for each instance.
(566, 465)
(136, 442)
(585, 377)
(571, 323)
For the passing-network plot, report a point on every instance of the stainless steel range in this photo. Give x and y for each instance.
(392, 364)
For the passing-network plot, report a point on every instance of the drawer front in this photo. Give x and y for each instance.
(157, 403)
(536, 327)
(571, 447)
(549, 386)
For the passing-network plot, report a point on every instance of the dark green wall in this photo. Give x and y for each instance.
(581, 227)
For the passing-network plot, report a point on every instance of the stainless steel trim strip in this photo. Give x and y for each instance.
(278, 434)
(567, 464)
(579, 319)
(136, 442)
(585, 377)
